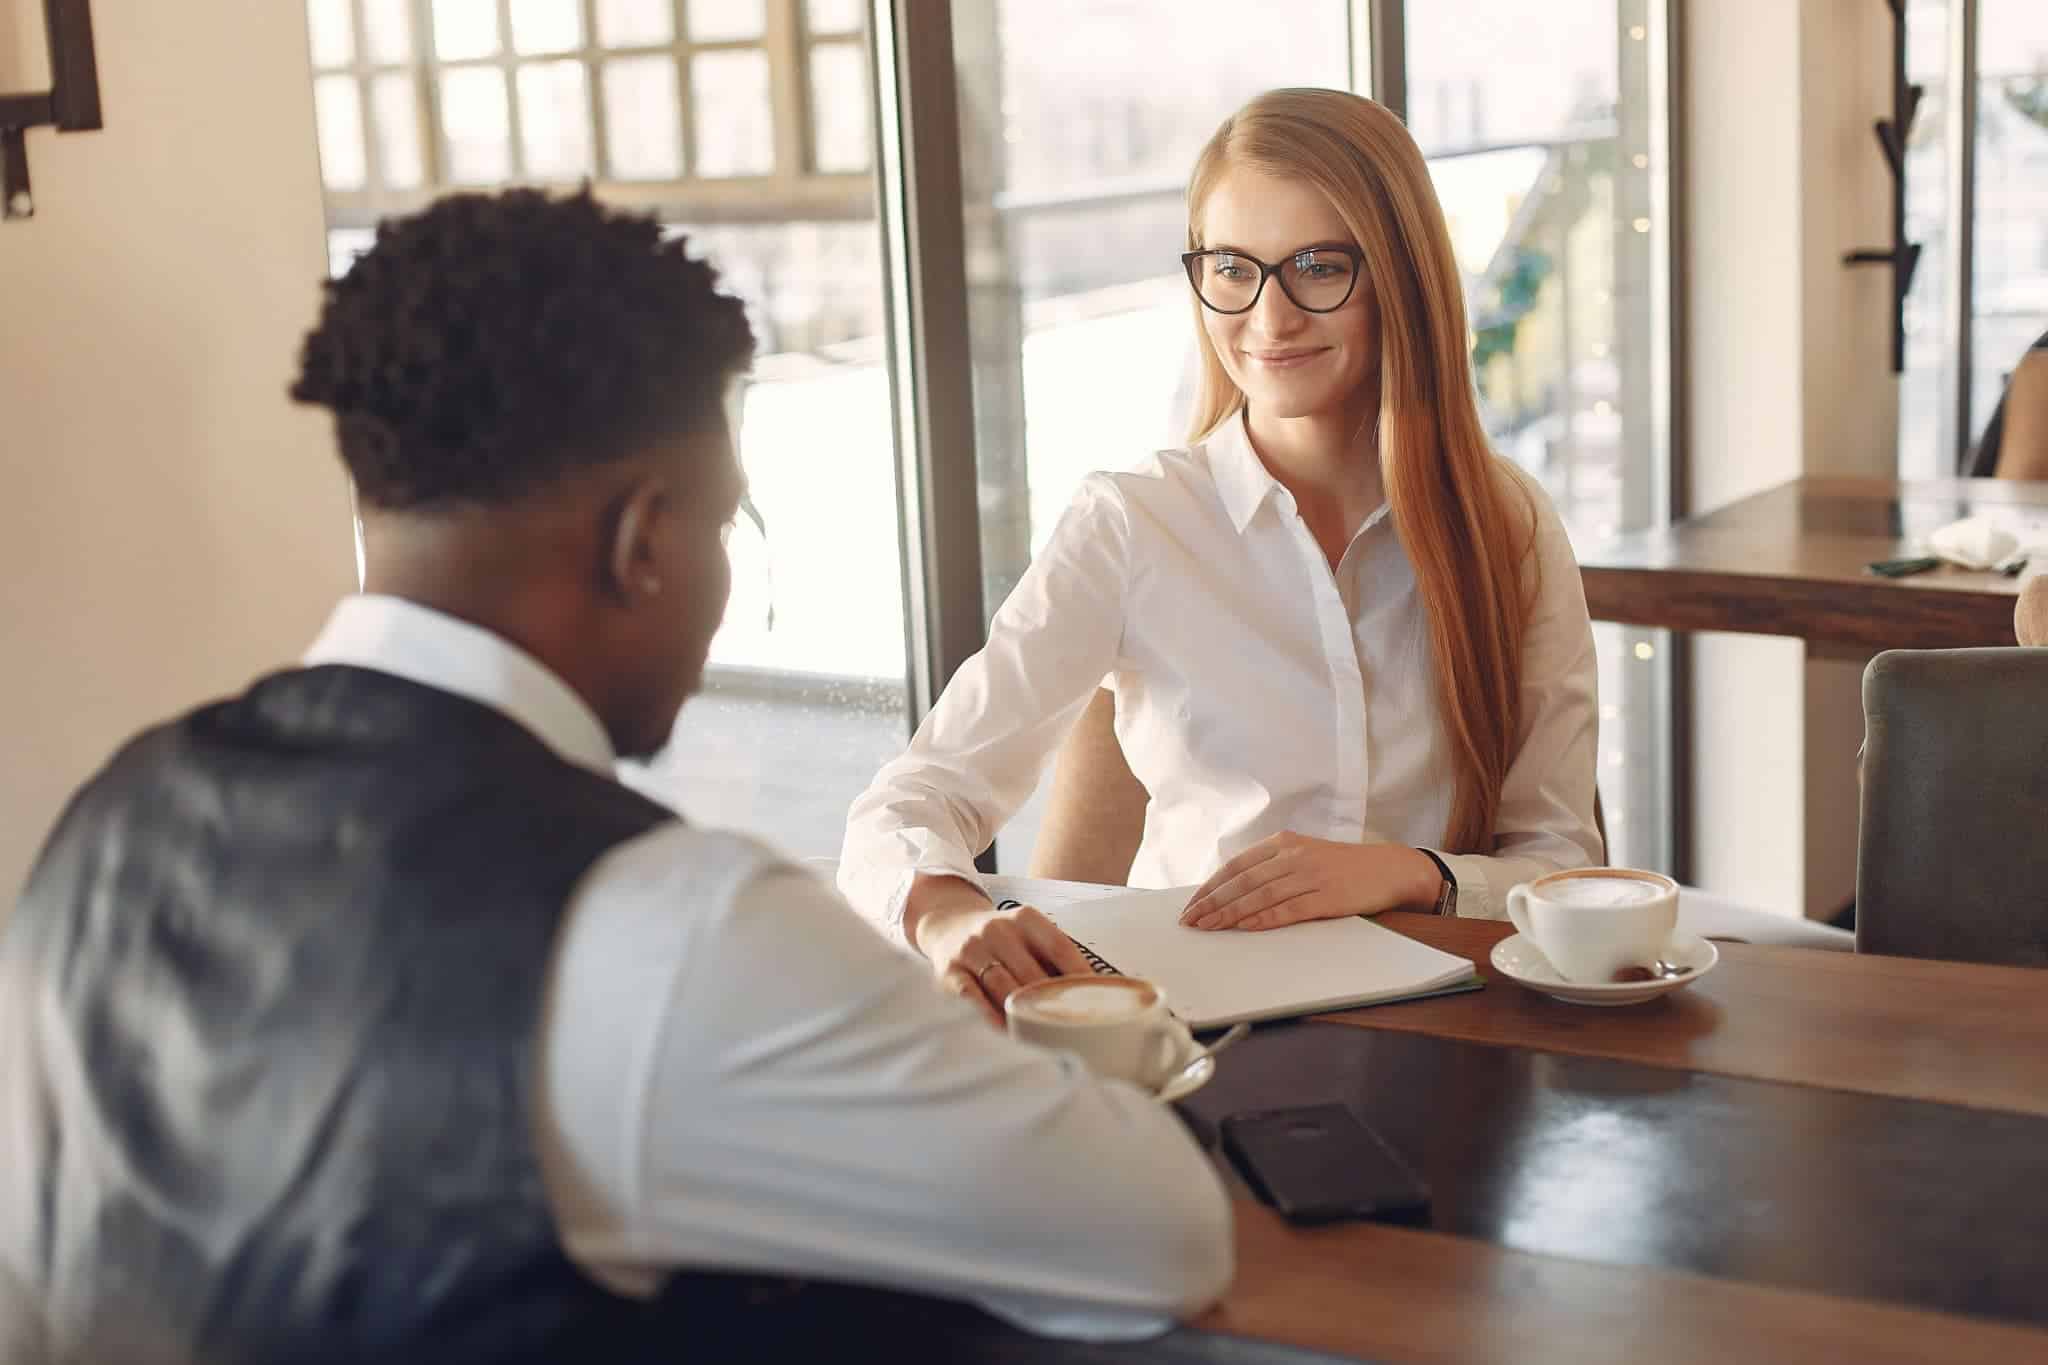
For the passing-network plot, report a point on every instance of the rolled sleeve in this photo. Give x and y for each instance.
(979, 754)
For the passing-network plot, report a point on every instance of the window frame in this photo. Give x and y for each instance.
(792, 188)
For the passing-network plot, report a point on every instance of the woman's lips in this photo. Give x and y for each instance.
(1284, 360)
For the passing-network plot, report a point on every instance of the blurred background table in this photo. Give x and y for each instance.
(1793, 560)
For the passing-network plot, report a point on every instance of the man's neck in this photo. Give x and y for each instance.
(490, 577)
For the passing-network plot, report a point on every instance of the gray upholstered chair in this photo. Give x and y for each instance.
(1952, 856)
(1095, 817)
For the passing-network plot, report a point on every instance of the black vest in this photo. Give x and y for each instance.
(289, 954)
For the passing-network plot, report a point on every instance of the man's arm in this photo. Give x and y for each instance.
(741, 1074)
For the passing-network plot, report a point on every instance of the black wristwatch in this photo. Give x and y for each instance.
(1446, 899)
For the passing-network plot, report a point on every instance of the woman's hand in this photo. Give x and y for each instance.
(980, 953)
(1287, 878)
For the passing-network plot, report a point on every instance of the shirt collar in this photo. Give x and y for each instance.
(419, 644)
(1245, 483)
(1241, 477)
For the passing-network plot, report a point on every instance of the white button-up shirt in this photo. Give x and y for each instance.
(737, 1073)
(1256, 692)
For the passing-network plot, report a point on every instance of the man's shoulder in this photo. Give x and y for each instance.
(727, 894)
(703, 864)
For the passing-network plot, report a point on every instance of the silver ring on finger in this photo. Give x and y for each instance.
(981, 975)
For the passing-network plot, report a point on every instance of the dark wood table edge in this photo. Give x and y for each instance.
(1841, 619)
(1437, 1016)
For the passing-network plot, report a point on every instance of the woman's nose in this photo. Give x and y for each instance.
(1275, 314)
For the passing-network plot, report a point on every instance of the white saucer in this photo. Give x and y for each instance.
(1185, 1083)
(1516, 958)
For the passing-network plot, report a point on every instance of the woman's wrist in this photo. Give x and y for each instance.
(1438, 885)
(936, 896)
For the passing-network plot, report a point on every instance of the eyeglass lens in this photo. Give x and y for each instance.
(1318, 280)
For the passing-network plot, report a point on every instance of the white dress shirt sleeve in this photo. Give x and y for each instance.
(738, 1073)
(980, 752)
(1545, 821)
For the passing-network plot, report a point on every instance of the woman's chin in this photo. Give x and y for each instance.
(1284, 401)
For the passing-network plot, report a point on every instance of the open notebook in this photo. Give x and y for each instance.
(1213, 979)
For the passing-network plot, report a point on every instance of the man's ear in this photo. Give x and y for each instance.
(639, 525)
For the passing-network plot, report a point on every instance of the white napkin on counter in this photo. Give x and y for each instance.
(1980, 543)
(1973, 543)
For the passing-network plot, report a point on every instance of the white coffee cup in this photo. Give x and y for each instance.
(1592, 922)
(1118, 1025)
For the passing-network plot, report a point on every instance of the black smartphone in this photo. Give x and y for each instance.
(1904, 568)
(1318, 1163)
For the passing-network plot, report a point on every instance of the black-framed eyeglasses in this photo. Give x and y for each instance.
(1318, 279)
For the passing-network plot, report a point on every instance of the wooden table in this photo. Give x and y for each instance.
(1813, 1033)
(1804, 1155)
(1792, 561)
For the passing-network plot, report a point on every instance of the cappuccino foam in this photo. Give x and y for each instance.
(1090, 1002)
(1600, 893)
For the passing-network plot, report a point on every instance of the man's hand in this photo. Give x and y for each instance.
(980, 953)
(1287, 878)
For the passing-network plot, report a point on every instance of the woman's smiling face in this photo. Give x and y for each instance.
(1288, 361)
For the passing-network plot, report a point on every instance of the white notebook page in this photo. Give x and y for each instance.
(1214, 978)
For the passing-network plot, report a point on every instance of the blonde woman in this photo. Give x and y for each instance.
(1348, 643)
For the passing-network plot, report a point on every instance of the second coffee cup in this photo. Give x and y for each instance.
(1593, 922)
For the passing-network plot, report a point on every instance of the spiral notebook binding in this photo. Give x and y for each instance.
(1096, 960)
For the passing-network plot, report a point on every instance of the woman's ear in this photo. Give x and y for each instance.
(640, 526)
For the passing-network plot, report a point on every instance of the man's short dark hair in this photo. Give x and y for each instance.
(493, 343)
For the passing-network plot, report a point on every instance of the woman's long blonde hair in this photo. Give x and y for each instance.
(1462, 531)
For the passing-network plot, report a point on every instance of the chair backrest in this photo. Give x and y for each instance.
(1952, 854)
(1095, 812)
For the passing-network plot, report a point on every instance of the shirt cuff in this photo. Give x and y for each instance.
(877, 881)
(1476, 896)
(900, 897)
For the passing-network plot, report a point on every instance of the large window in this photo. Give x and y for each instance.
(750, 124)
(1079, 155)
(1541, 125)
(2009, 272)
(2008, 249)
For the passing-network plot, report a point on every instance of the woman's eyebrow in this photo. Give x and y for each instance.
(1332, 245)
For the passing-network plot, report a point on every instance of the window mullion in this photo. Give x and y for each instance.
(600, 129)
(508, 72)
(427, 96)
(783, 41)
(686, 103)
(374, 183)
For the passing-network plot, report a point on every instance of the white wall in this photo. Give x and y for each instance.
(24, 55)
(1788, 355)
(171, 524)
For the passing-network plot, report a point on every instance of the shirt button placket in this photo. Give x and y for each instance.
(1347, 686)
